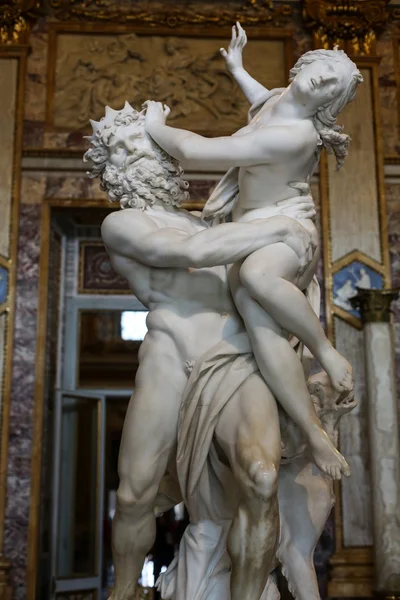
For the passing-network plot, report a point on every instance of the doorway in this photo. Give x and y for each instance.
(93, 330)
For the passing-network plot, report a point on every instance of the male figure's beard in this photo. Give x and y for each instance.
(146, 177)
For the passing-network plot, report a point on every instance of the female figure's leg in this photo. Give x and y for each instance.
(284, 375)
(270, 275)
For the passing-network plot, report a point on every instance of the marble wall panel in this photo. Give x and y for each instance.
(80, 186)
(388, 94)
(8, 85)
(22, 395)
(315, 191)
(356, 495)
(3, 325)
(33, 188)
(353, 191)
(73, 186)
(393, 215)
(36, 76)
(35, 87)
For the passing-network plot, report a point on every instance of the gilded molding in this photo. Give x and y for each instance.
(360, 256)
(16, 18)
(252, 12)
(5, 588)
(349, 23)
(374, 305)
(351, 573)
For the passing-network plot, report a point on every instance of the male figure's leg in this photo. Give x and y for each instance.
(248, 433)
(148, 441)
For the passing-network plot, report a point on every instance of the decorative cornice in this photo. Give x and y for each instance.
(348, 23)
(165, 14)
(16, 18)
(374, 305)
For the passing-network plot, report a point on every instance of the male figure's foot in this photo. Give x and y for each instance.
(338, 368)
(326, 456)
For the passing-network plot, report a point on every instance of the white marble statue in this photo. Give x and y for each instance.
(202, 423)
(281, 144)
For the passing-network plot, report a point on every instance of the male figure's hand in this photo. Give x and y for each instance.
(156, 112)
(233, 58)
(299, 239)
(301, 242)
(304, 209)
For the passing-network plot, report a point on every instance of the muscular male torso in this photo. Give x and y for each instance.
(190, 310)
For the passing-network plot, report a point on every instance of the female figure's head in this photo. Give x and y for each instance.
(325, 81)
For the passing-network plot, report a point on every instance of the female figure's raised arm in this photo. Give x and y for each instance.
(234, 63)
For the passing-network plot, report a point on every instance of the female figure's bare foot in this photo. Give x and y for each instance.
(339, 370)
(326, 456)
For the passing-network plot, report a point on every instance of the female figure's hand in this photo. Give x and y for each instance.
(156, 112)
(233, 57)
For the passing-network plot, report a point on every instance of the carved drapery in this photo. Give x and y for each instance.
(350, 24)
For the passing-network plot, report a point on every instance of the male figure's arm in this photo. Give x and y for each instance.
(135, 236)
(252, 89)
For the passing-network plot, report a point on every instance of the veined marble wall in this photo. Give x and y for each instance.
(393, 213)
(389, 79)
(22, 396)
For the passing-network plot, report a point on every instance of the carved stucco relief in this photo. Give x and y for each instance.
(186, 73)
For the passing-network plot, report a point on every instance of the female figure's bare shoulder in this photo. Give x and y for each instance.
(307, 131)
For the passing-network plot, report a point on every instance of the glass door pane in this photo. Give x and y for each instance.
(78, 493)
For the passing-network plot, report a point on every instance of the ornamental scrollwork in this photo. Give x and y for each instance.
(16, 17)
(353, 22)
(252, 12)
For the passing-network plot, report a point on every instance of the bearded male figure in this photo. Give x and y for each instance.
(168, 257)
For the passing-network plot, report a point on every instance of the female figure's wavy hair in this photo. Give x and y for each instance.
(147, 176)
(330, 134)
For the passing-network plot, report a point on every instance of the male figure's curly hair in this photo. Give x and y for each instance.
(331, 136)
(147, 176)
